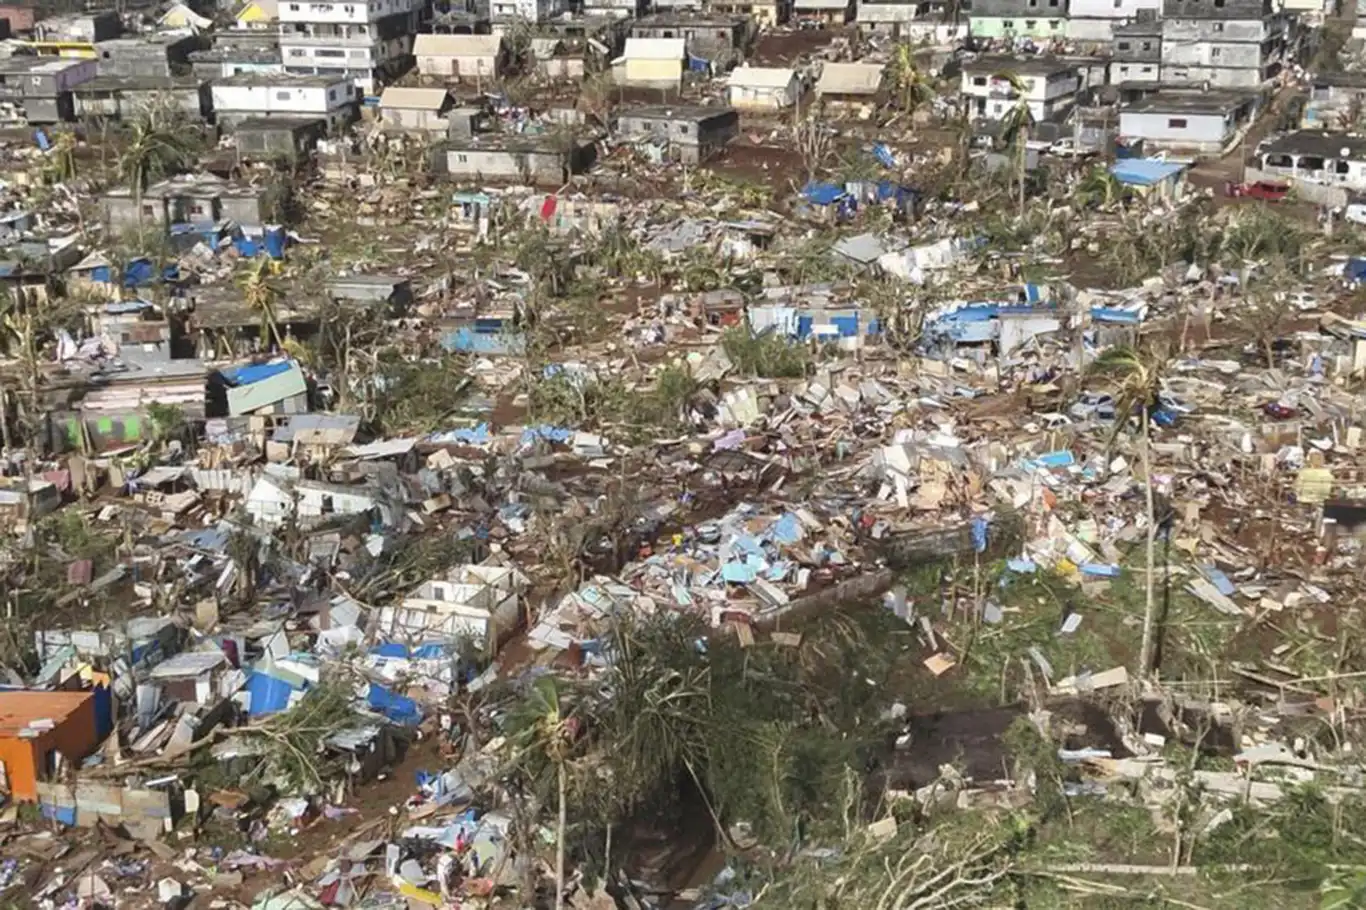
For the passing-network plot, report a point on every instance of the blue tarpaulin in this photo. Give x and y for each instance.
(823, 193)
(1355, 270)
(979, 534)
(884, 155)
(546, 432)
(1144, 171)
(267, 694)
(398, 708)
(255, 372)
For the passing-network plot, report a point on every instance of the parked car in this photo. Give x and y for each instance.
(1261, 189)
(1068, 148)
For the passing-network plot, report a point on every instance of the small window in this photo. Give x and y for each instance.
(1218, 26)
(1123, 45)
(294, 7)
(282, 96)
(1008, 24)
(979, 80)
(1147, 69)
(463, 159)
(297, 52)
(149, 210)
(1033, 3)
(1176, 123)
(1147, 45)
(1030, 24)
(1216, 52)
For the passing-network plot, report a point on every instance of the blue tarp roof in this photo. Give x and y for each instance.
(1144, 171)
(255, 372)
(823, 193)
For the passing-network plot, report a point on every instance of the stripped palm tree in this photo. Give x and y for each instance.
(1017, 126)
(541, 730)
(1136, 377)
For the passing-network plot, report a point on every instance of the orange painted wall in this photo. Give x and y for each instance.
(75, 737)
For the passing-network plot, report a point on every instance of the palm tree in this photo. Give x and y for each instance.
(1017, 126)
(913, 88)
(542, 732)
(1137, 378)
(260, 298)
(155, 148)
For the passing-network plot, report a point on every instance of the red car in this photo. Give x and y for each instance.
(1262, 189)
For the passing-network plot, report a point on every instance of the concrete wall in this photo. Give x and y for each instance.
(1317, 193)
(1200, 132)
(538, 166)
(651, 73)
(1218, 76)
(458, 67)
(1178, 30)
(1002, 27)
(1020, 9)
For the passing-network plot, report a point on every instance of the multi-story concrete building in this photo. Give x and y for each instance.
(1050, 87)
(1222, 43)
(1096, 20)
(1136, 52)
(1039, 19)
(370, 41)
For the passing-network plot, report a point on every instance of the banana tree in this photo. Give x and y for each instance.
(913, 87)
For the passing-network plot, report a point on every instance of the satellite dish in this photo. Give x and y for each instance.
(1344, 152)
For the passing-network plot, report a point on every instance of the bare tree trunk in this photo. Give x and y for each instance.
(1145, 654)
(562, 774)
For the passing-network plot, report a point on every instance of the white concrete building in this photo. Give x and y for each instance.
(249, 95)
(763, 88)
(1095, 20)
(369, 40)
(1315, 156)
(1188, 121)
(1050, 87)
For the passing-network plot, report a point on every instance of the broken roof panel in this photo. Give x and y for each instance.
(319, 429)
(761, 77)
(654, 49)
(422, 99)
(850, 79)
(457, 45)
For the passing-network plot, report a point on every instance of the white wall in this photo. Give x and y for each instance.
(1184, 130)
(1043, 94)
(353, 11)
(282, 98)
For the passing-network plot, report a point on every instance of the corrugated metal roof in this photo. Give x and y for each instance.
(654, 49)
(761, 77)
(850, 79)
(189, 663)
(422, 99)
(457, 45)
